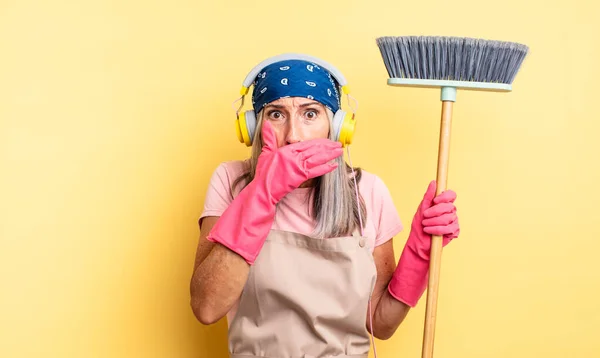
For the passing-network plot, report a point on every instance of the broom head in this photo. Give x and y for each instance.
(460, 62)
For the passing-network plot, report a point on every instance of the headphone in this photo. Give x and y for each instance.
(343, 122)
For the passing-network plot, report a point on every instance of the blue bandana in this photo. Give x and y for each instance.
(295, 78)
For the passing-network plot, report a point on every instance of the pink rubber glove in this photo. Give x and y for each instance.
(435, 216)
(245, 224)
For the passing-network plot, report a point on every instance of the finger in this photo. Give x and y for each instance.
(439, 209)
(447, 196)
(321, 146)
(314, 144)
(456, 226)
(321, 170)
(442, 229)
(429, 194)
(268, 137)
(322, 158)
(445, 219)
(448, 231)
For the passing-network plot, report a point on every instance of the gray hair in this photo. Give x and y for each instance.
(335, 207)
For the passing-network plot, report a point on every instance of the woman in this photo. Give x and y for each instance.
(296, 246)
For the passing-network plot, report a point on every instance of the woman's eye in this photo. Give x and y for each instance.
(275, 115)
(311, 114)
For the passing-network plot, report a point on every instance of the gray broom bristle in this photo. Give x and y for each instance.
(451, 58)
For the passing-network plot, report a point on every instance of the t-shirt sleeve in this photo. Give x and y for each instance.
(218, 195)
(386, 218)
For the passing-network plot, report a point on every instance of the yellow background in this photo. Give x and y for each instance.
(115, 113)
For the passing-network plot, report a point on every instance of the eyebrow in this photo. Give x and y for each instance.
(309, 104)
(278, 106)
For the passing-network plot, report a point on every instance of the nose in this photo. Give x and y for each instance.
(293, 135)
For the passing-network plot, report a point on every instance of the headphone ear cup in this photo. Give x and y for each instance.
(344, 125)
(245, 127)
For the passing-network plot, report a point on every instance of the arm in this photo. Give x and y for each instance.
(218, 279)
(400, 288)
(388, 313)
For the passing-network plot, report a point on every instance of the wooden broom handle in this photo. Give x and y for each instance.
(435, 259)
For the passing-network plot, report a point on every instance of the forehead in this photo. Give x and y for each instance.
(294, 102)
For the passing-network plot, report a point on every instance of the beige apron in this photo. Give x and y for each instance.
(305, 298)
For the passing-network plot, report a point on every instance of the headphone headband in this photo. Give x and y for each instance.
(294, 56)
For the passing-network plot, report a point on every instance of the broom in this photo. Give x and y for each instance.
(448, 63)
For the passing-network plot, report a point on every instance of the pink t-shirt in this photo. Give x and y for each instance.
(382, 222)
(292, 214)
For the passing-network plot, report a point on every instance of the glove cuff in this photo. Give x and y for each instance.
(409, 280)
(245, 224)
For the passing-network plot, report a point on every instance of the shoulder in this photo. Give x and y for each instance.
(226, 173)
(219, 193)
(232, 169)
(380, 206)
(371, 183)
(375, 193)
